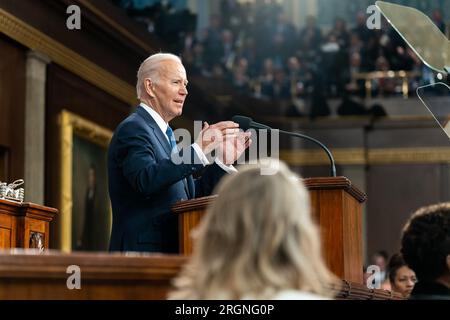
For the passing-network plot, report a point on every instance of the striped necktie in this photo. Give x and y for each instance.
(172, 141)
(174, 148)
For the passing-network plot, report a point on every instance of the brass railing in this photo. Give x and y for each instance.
(368, 77)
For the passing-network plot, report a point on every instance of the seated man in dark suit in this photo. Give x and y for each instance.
(144, 180)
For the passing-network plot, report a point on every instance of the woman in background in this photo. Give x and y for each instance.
(401, 278)
(257, 241)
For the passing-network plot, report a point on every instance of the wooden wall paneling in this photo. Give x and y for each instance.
(12, 106)
(6, 97)
(396, 191)
(8, 226)
(338, 212)
(187, 223)
(4, 156)
(7, 230)
(408, 134)
(353, 242)
(330, 236)
(27, 225)
(314, 171)
(445, 182)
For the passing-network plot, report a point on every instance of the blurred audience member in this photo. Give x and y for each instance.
(361, 30)
(426, 250)
(240, 78)
(380, 259)
(439, 20)
(310, 37)
(341, 33)
(401, 278)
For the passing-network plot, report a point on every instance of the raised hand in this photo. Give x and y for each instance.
(212, 136)
(233, 146)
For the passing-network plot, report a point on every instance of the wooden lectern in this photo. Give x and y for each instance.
(336, 206)
(24, 225)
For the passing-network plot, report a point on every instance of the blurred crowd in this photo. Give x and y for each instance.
(254, 47)
(262, 53)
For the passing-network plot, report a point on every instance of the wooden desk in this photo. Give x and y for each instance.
(24, 225)
(26, 275)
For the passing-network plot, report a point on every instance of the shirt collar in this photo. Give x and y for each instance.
(155, 115)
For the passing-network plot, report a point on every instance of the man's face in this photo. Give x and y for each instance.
(170, 90)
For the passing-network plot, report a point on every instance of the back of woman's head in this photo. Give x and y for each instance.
(426, 241)
(258, 238)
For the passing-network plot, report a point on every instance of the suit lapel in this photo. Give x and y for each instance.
(187, 182)
(161, 136)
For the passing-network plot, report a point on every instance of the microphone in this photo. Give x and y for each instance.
(246, 123)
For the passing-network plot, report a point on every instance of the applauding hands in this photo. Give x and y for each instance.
(226, 139)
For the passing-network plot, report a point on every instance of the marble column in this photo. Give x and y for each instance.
(36, 75)
(202, 8)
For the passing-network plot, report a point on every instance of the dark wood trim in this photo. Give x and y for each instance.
(53, 264)
(9, 207)
(357, 291)
(330, 183)
(193, 204)
(28, 274)
(117, 20)
(12, 107)
(39, 212)
(28, 209)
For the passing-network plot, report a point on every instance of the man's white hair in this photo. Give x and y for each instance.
(150, 69)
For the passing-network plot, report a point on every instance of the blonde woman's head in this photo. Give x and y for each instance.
(257, 239)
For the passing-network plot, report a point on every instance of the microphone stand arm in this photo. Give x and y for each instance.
(330, 156)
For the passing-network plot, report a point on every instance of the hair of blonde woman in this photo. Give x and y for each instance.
(257, 239)
(150, 68)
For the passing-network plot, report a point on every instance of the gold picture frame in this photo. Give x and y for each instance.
(72, 127)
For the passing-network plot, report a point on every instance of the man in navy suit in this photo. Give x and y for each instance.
(144, 181)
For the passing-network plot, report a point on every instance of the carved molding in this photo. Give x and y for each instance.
(357, 156)
(142, 44)
(409, 155)
(330, 183)
(34, 39)
(318, 157)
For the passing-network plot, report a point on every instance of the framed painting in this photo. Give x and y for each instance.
(85, 214)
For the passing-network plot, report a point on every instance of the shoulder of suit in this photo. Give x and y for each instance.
(132, 124)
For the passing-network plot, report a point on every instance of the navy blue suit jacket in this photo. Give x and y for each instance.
(144, 183)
